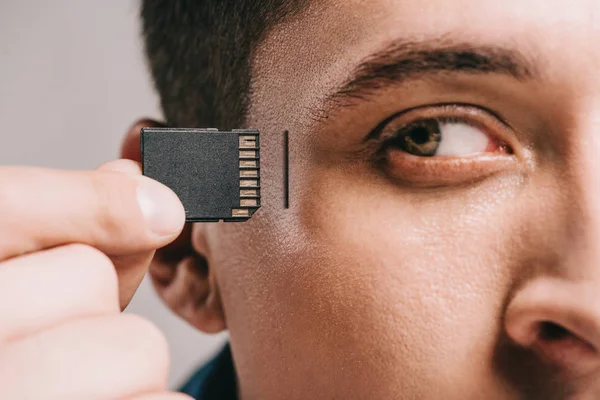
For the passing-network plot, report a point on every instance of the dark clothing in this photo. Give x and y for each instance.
(214, 381)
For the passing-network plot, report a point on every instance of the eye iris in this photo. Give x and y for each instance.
(421, 138)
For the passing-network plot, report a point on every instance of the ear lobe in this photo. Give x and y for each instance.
(186, 283)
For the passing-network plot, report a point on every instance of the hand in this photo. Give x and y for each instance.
(74, 247)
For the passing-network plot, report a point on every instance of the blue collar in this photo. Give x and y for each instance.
(214, 381)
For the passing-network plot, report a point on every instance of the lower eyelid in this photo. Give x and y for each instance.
(432, 171)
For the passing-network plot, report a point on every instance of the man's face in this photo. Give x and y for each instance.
(443, 235)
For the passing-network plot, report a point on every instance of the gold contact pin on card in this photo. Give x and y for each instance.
(248, 164)
(248, 154)
(247, 142)
(249, 183)
(249, 203)
(249, 173)
(240, 212)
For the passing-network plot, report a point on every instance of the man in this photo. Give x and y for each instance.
(442, 237)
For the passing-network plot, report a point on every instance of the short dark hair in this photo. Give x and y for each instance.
(200, 55)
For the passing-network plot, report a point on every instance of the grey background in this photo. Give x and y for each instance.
(72, 79)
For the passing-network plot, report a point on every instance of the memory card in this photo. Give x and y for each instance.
(216, 174)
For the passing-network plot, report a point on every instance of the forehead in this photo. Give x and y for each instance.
(324, 25)
(316, 50)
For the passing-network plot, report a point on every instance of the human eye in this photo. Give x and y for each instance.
(446, 144)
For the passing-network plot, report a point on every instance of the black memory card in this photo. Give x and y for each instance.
(216, 174)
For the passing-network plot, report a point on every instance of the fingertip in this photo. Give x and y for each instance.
(161, 208)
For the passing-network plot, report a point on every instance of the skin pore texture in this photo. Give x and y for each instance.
(394, 276)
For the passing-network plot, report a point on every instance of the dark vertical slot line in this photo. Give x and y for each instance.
(286, 169)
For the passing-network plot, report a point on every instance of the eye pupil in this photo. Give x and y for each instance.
(421, 138)
(420, 135)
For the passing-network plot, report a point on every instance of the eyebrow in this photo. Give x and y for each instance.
(405, 60)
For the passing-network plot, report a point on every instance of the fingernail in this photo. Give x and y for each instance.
(161, 207)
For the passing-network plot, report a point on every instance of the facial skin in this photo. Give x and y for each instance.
(396, 276)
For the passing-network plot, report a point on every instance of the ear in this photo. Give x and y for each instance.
(180, 272)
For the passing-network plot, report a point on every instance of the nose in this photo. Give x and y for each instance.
(560, 321)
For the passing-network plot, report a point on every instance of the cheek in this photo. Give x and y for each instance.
(424, 274)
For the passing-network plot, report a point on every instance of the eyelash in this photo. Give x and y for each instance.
(444, 111)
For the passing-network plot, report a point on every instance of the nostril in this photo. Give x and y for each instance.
(562, 347)
(559, 321)
(549, 331)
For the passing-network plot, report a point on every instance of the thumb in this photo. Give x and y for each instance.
(130, 268)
